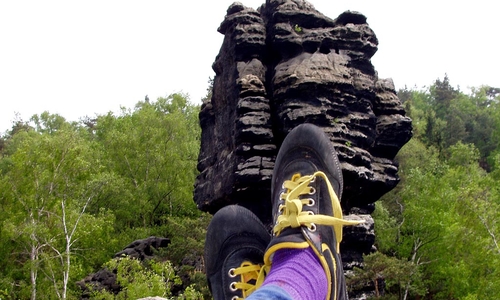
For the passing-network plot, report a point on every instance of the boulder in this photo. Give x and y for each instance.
(143, 249)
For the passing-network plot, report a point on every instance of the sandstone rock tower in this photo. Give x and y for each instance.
(287, 64)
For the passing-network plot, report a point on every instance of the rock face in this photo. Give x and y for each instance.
(288, 64)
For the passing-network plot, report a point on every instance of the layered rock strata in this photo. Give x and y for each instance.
(288, 64)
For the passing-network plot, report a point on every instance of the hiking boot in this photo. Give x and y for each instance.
(306, 187)
(234, 247)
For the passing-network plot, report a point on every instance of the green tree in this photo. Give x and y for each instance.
(48, 123)
(47, 187)
(398, 275)
(153, 153)
(442, 94)
(74, 194)
(443, 116)
(445, 216)
(210, 88)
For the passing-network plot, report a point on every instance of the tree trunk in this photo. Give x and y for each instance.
(33, 270)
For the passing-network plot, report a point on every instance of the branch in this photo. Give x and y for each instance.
(491, 233)
(52, 277)
(429, 240)
(160, 201)
(56, 170)
(59, 255)
(79, 217)
(131, 172)
(64, 219)
(401, 210)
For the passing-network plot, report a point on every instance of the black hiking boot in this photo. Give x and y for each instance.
(306, 187)
(234, 249)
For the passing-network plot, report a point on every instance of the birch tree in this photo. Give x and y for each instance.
(50, 183)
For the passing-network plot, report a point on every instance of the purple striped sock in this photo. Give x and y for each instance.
(298, 272)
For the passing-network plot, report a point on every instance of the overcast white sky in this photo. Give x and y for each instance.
(78, 58)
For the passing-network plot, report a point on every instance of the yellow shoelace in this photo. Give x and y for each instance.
(292, 214)
(251, 276)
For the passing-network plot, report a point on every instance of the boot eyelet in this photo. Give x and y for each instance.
(231, 273)
(312, 228)
(312, 191)
(313, 179)
(234, 298)
(311, 202)
(311, 213)
(232, 287)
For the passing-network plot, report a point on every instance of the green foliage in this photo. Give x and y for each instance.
(74, 195)
(386, 229)
(439, 224)
(47, 187)
(297, 28)
(151, 155)
(446, 228)
(138, 280)
(187, 234)
(210, 88)
(444, 116)
(186, 250)
(48, 123)
(190, 293)
(442, 94)
(145, 279)
(398, 274)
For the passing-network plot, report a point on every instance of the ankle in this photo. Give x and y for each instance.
(298, 272)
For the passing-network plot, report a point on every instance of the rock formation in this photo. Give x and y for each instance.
(145, 248)
(106, 279)
(288, 64)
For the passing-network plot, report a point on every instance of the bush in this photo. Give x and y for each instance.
(141, 279)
